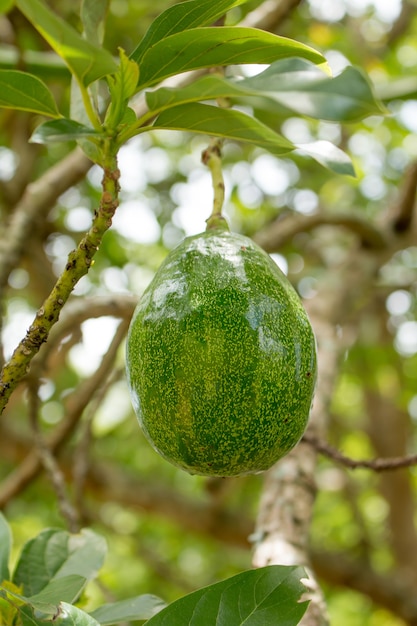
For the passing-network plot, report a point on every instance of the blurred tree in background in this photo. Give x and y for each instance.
(71, 452)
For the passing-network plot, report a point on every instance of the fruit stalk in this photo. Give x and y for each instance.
(212, 157)
(78, 263)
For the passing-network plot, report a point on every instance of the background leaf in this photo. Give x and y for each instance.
(19, 90)
(227, 123)
(85, 60)
(54, 554)
(210, 87)
(268, 595)
(401, 88)
(70, 615)
(210, 47)
(6, 6)
(134, 609)
(303, 88)
(5, 547)
(45, 65)
(295, 83)
(62, 130)
(93, 16)
(66, 588)
(180, 17)
(329, 155)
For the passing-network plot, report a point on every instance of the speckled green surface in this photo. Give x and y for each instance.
(221, 358)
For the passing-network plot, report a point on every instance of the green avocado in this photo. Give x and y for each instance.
(221, 358)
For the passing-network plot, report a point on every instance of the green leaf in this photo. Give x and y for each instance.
(286, 73)
(62, 130)
(93, 16)
(6, 6)
(5, 547)
(85, 60)
(297, 84)
(227, 123)
(54, 554)
(329, 155)
(140, 608)
(180, 17)
(268, 595)
(126, 78)
(122, 86)
(303, 88)
(19, 90)
(27, 617)
(70, 615)
(210, 47)
(210, 87)
(65, 589)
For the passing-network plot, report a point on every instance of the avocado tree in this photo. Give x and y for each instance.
(126, 127)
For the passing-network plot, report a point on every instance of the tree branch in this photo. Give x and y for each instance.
(404, 209)
(79, 262)
(80, 309)
(75, 405)
(39, 197)
(49, 462)
(285, 511)
(275, 235)
(377, 465)
(270, 14)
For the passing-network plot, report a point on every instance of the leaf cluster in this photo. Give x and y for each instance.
(54, 567)
(182, 40)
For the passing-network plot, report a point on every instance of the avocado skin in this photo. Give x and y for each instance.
(221, 358)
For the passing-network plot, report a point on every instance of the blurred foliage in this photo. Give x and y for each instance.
(124, 490)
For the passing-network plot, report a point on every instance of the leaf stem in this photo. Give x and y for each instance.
(78, 263)
(89, 109)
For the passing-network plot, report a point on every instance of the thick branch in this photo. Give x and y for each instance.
(404, 209)
(285, 510)
(270, 14)
(402, 24)
(390, 429)
(36, 202)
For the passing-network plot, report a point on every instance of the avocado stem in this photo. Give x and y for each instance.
(212, 157)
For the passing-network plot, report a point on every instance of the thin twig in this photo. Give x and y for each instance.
(75, 406)
(376, 465)
(49, 462)
(79, 309)
(82, 456)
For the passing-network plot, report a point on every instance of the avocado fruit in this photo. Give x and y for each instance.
(221, 358)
